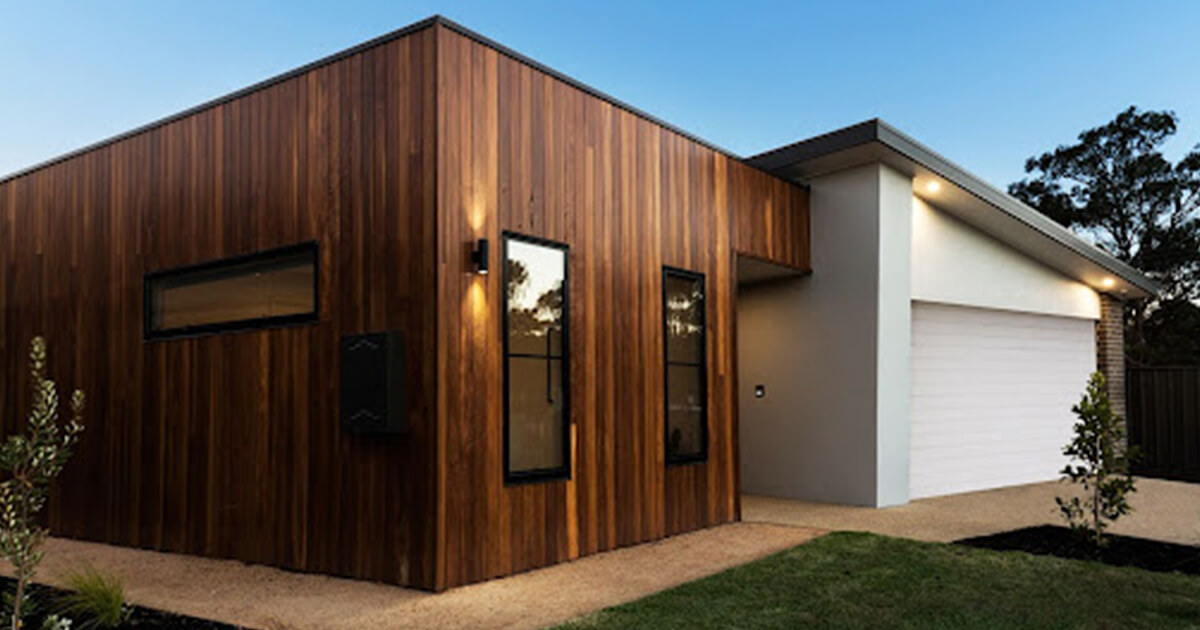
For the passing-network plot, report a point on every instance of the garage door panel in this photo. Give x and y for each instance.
(991, 396)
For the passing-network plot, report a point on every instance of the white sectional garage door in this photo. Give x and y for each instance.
(991, 395)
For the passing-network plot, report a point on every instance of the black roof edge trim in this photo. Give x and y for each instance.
(830, 141)
(877, 130)
(367, 45)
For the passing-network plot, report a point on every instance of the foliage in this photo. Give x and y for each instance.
(859, 580)
(55, 622)
(1170, 335)
(32, 462)
(97, 598)
(1103, 469)
(1115, 185)
(537, 318)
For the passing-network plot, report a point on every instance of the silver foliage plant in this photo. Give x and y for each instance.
(31, 462)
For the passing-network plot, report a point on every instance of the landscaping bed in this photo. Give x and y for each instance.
(1122, 551)
(45, 600)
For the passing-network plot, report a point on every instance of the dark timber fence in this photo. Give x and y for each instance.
(1164, 420)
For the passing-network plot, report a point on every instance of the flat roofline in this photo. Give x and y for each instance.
(354, 50)
(891, 138)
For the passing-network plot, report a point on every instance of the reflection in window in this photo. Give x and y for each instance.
(685, 352)
(271, 288)
(537, 438)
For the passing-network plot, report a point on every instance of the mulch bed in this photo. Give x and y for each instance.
(1123, 551)
(46, 598)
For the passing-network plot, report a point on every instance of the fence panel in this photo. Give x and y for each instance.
(1164, 420)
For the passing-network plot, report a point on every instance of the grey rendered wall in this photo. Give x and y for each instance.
(833, 351)
(812, 343)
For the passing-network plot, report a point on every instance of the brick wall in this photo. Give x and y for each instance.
(1110, 349)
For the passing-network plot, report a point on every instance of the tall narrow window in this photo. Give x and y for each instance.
(686, 374)
(271, 288)
(536, 413)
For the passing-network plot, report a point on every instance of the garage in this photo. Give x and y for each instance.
(991, 395)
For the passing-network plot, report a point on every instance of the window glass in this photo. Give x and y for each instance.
(536, 414)
(266, 289)
(535, 407)
(685, 319)
(685, 355)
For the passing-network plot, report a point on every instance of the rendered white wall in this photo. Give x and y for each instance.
(836, 349)
(953, 263)
(814, 341)
(893, 345)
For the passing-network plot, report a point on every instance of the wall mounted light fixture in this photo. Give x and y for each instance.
(479, 257)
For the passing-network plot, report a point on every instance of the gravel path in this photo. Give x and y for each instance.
(1163, 510)
(272, 599)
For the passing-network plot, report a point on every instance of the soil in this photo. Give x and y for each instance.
(45, 600)
(1124, 551)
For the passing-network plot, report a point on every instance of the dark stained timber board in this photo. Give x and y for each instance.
(523, 151)
(395, 158)
(229, 445)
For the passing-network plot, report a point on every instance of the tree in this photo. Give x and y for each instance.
(32, 462)
(1170, 335)
(1103, 469)
(1116, 186)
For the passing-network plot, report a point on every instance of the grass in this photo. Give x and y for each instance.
(97, 598)
(854, 580)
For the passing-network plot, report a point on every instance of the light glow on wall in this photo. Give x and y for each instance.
(476, 303)
(476, 210)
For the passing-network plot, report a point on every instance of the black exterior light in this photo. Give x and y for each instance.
(480, 256)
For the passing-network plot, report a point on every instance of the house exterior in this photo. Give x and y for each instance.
(955, 328)
(427, 312)
(201, 278)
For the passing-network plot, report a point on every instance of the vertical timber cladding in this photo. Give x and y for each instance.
(229, 445)
(523, 151)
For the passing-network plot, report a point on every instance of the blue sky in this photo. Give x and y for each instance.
(985, 84)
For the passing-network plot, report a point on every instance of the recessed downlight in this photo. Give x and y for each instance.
(1108, 283)
(932, 186)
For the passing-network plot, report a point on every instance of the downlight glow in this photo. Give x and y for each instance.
(1108, 283)
(933, 186)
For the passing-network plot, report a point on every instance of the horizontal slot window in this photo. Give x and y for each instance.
(274, 288)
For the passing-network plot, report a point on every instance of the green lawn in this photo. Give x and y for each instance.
(851, 580)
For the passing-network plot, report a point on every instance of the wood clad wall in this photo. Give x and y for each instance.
(521, 150)
(229, 445)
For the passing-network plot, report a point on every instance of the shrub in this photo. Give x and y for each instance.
(32, 462)
(96, 598)
(55, 622)
(1103, 469)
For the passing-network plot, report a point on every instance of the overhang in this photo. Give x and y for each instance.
(954, 190)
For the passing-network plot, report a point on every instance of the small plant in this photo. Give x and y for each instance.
(97, 598)
(1103, 469)
(55, 622)
(32, 462)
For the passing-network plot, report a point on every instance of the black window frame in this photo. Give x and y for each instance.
(539, 475)
(150, 333)
(702, 456)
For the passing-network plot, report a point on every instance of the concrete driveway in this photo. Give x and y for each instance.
(1163, 510)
